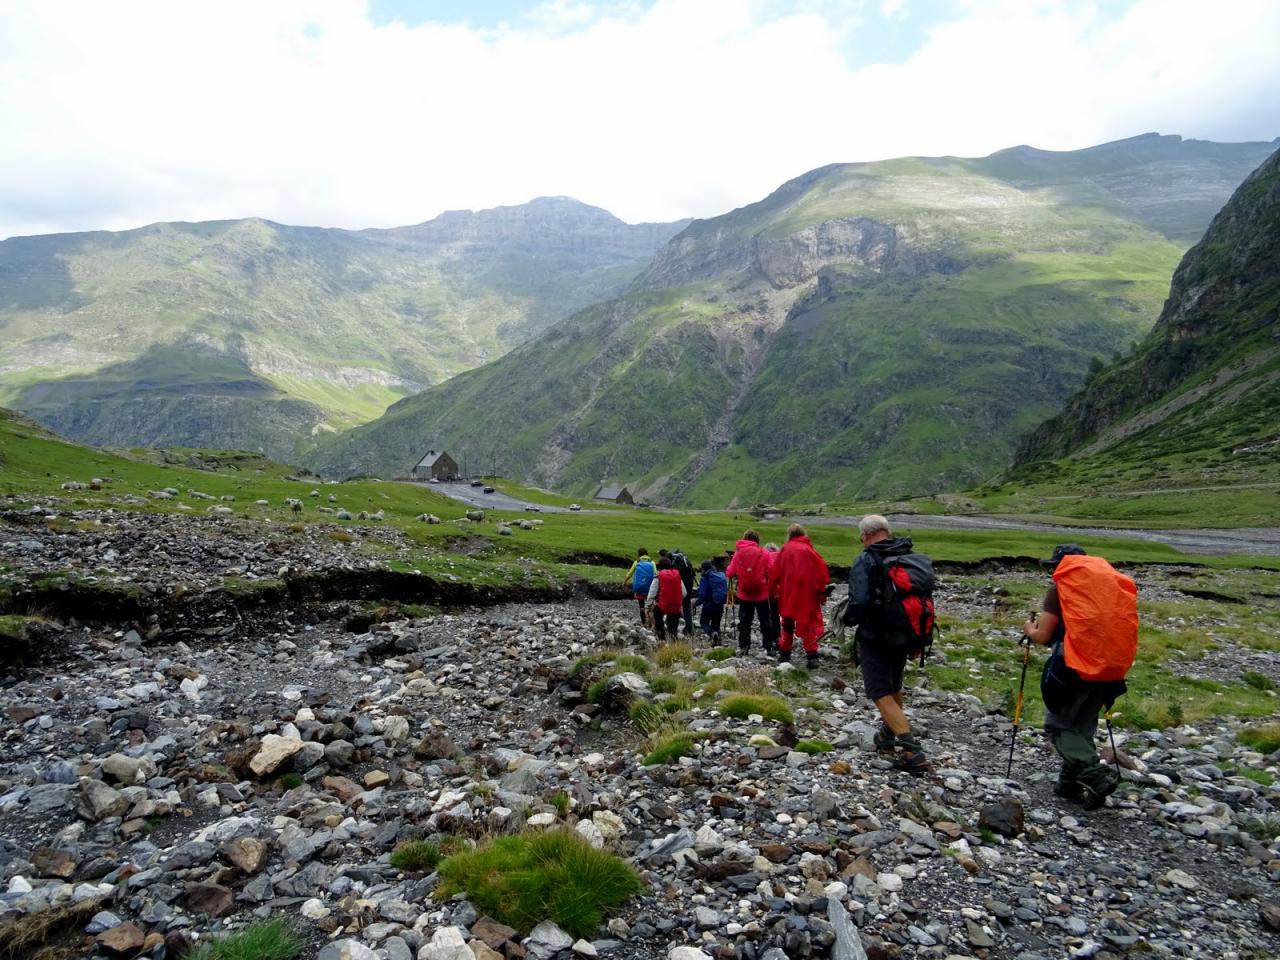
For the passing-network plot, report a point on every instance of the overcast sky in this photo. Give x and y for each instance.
(350, 113)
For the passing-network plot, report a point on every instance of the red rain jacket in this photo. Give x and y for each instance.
(750, 565)
(803, 577)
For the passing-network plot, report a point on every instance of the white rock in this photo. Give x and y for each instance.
(590, 833)
(314, 909)
(1181, 879)
(19, 885)
(686, 953)
(889, 882)
(447, 943)
(273, 754)
(542, 820)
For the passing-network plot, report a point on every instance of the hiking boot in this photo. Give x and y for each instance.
(811, 661)
(1071, 790)
(886, 740)
(910, 756)
(1095, 794)
(715, 638)
(784, 656)
(744, 651)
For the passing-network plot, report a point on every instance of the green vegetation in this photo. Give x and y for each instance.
(813, 746)
(719, 654)
(265, 940)
(741, 706)
(670, 748)
(290, 781)
(647, 717)
(673, 653)
(416, 855)
(526, 879)
(1265, 738)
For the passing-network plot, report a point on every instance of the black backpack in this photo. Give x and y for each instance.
(682, 563)
(905, 602)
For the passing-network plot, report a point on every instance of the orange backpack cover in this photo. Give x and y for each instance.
(1100, 611)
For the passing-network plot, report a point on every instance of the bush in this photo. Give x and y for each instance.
(266, 940)
(742, 705)
(673, 653)
(526, 879)
(1265, 738)
(813, 746)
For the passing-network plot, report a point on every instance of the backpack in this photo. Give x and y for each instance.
(682, 564)
(1100, 614)
(643, 577)
(753, 577)
(906, 602)
(717, 585)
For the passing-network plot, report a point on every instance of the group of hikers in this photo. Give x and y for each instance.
(1088, 618)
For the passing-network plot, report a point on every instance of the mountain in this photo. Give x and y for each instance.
(1196, 402)
(247, 332)
(867, 329)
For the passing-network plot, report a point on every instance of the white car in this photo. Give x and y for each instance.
(574, 507)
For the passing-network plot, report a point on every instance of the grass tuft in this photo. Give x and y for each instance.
(422, 855)
(1265, 738)
(266, 940)
(718, 654)
(523, 880)
(671, 748)
(673, 653)
(813, 746)
(742, 705)
(647, 717)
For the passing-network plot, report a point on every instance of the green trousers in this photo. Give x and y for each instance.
(1080, 763)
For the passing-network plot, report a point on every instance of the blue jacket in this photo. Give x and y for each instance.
(714, 587)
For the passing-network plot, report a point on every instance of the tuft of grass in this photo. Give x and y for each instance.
(670, 748)
(1260, 777)
(1263, 828)
(1265, 738)
(290, 781)
(341, 536)
(665, 684)
(742, 705)
(420, 855)
(632, 663)
(21, 937)
(673, 653)
(647, 717)
(525, 879)
(813, 746)
(561, 802)
(723, 681)
(583, 664)
(1259, 681)
(273, 939)
(718, 654)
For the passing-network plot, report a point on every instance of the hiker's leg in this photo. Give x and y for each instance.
(787, 638)
(746, 612)
(673, 624)
(640, 604)
(687, 610)
(882, 672)
(894, 718)
(775, 624)
(716, 615)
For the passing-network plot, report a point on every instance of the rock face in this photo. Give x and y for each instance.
(1210, 365)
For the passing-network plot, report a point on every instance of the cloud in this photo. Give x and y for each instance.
(306, 111)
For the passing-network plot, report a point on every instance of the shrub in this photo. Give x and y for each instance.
(673, 653)
(742, 705)
(525, 879)
(1259, 681)
(813, 746)
(266, 940)
(670, 749)
(1265, 738)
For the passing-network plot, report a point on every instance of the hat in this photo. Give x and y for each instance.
(1063, 550)
(707, 564)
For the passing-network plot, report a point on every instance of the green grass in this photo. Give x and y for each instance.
(813, 746)
(670, 748)
(647, 717)
(416, 855)
(523, 880)
(718, 654)
(265, 940)
(672, 653)
(1265, 738)
(740, 706)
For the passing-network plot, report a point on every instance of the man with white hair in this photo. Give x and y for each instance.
(884, 651)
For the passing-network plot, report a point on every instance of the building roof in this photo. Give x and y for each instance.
(610, 493)
(431, 457)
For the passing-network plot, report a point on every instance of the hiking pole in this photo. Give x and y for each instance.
(1017, 710)
(1115, 754)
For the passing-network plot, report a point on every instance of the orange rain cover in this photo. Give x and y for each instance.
(1100, 610)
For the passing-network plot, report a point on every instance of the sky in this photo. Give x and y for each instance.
(363, 113)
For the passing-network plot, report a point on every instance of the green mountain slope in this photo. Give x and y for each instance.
(867, 329)
(1196, 403)
(337, 323)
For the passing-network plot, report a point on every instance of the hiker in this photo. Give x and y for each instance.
(803, 585)
(775, 588)
(666, 599)
(749, 568)
(1097, 598)
(713, 591)
(884, 647)
(684, 567)
(639, 577)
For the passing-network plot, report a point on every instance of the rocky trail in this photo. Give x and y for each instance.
(164, 781)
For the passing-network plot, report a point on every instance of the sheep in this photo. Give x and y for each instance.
(294, 504)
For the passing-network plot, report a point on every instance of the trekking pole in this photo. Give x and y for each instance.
(1115, 754)
(1017, 710)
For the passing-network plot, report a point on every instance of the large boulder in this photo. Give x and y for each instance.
(273, 754)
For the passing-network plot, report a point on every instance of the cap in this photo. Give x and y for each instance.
(1063, 550)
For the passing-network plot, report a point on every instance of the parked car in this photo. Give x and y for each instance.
(477, 483)
(574, 507)
(488, 489)
(433, 480)
(530, 508)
